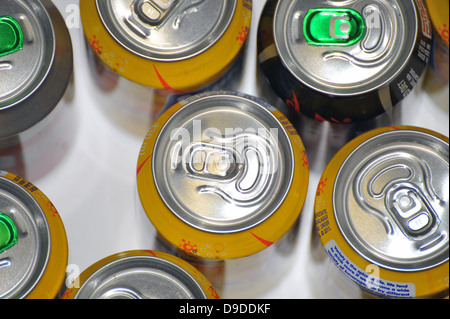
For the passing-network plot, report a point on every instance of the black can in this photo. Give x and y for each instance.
(347, 66)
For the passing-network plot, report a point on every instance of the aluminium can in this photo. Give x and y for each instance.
(382, 216)
(144, 55)
(33, 242)
(222, 177)
(36, 88)
(345, 65)
(436, 80)
(141, 274)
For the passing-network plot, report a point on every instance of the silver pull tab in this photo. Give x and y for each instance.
(344, 27)
(414, 215)
(209, 161)
(153, 11)
(237, 168)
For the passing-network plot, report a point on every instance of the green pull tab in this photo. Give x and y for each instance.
(8, 233)
(11, 36)
(333, 27)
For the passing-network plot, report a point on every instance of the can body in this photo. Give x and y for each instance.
(436, 81)
(380, 225)
(138, 78)
(36, 92)
(216, 176)
(353, 79)
(141, 274)
(34, 249)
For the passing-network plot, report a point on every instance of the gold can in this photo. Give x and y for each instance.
(141, 274)
(436, 80)
(381, 217)
(223, 178)
(147, 54)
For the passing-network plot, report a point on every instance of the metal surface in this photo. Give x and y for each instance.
(353, 69)
(140, 277)
(391, 200)
(36, 90)
(12, 36)
(361, 62)
(23, 264)
(223, 163)
(111, 191)
(42, 65)
(23, 71)
(166, 30)
(341, 68)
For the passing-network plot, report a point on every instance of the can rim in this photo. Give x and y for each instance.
(153, 262)
(43, 68)
(196, 277)
(52, 275)
(16, 117)
(34, 213)
(386, 262)
(233, 101)
(203, 69)
(159, 55)
(321, 86)
(324, 204)
(221, 246)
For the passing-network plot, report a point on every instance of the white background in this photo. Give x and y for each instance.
(93, 187)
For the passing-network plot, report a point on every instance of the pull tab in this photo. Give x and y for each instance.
(206, 160)
(8, 232)
(11, 36)
(412, 211)
(153, 11)
(236, 168)
(333, 27)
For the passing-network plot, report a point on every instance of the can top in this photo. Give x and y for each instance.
(223, 162)
(139, 277)
(167, 30)
(36, 63)
(345, 48)
(391, 200)
(24, 241)
(27, 50)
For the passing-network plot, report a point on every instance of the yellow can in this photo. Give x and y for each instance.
(223, 178)
(141, 274)
(381, 213)
(439, 14)
(162, 50)
(436, 83)
(33, 243)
